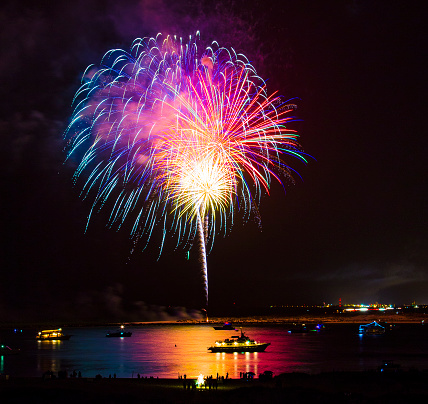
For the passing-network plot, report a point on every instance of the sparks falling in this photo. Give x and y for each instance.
(167, 135)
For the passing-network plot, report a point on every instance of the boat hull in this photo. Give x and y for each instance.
(380, 332)
(247, 348)
(61, 338)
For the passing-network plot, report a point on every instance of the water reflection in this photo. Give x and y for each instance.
(164, 351)
(48, 359)
(168, 351)
(49, 345)
(48, 363)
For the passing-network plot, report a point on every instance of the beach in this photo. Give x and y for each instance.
(339, 387)
(328, 318)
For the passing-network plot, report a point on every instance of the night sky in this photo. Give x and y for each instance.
(352, 227)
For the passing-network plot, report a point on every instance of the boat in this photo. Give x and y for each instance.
(6, 350)
(389, 367)
(119, 333)
(225, 326)
(373, 328)
(318, 328)
(298, 328)
(52, 335)
(239, 343)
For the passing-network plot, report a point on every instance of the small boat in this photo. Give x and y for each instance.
(225, 326)
(373, 328)
(298, 328)
(238, 343)
(52, 335)
(318, 328)
(119, 333)
(6, 350)
(389, 367)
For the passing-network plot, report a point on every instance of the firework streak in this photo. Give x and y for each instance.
(172, 137)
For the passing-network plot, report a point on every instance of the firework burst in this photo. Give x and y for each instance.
(167, 134)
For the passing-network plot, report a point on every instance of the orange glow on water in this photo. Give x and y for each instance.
(178, 350)
(185, 349)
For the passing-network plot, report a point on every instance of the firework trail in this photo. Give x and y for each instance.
(168, 135)
(203, 255)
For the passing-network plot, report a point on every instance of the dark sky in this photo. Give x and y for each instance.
(354, 227)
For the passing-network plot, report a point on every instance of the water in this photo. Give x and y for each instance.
(167, 351)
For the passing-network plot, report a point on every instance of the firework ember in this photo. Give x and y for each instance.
(170, 134)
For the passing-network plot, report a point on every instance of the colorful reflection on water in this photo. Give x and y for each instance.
(170, 351)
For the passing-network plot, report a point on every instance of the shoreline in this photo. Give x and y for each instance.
(340, 318)
(362, 387)
(326, 319)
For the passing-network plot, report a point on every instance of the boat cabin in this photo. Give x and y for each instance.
(372, 328)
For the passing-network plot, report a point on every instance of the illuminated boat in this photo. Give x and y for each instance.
(52, 335)
(240, 343)
(225, 326)
(119, 333)
(373, 328)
